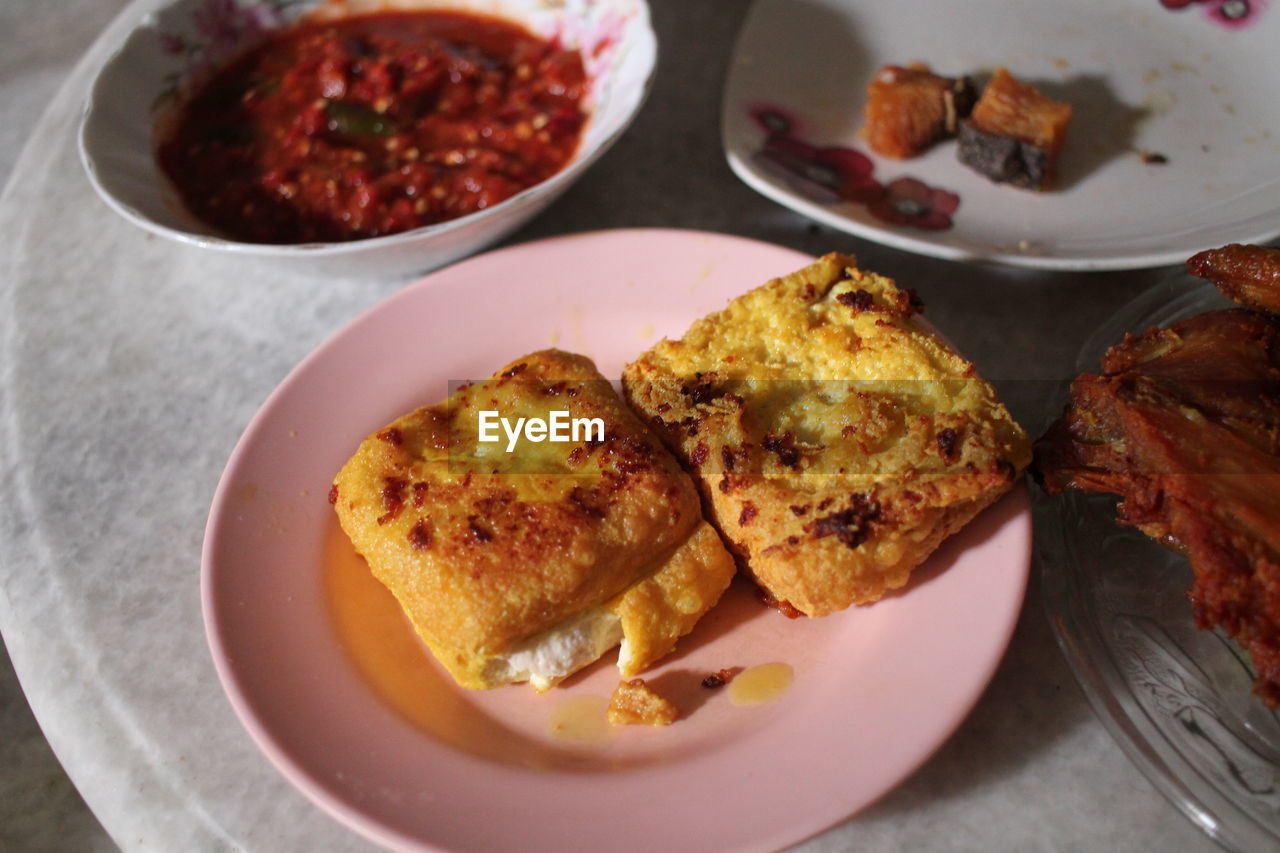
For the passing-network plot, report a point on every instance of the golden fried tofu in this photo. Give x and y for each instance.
(836, 441)
(525, 559)
(634, 703)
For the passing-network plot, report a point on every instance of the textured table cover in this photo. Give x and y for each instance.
(130, 365)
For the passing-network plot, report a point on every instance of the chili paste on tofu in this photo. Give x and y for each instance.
(375, 124)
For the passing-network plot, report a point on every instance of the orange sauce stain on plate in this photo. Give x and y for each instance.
(583, 720)
(761, 684)
(381, 642)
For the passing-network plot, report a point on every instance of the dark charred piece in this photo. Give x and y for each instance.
(851, 526)
(718, 679)
(1003, 159)
(1014, 134)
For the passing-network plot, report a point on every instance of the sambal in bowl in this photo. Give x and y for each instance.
(359, 137)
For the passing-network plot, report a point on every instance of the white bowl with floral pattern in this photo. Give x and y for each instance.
(176, 45)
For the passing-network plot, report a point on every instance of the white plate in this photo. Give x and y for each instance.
(1140, 76)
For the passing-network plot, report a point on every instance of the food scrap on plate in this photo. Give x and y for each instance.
(1011, 134)
(635, 703)
(910, 108)
(1014, 134)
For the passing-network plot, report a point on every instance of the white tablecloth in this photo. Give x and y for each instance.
(151, 743)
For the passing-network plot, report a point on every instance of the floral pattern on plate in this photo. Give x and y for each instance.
(835, 174)
(1229, 13)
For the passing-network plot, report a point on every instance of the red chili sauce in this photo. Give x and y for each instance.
(375, 124)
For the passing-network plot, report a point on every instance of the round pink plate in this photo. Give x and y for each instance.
(330, 684)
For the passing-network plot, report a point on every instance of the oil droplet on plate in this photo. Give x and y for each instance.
(583, 720)
(761, 684)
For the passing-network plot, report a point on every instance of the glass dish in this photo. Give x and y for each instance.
(1175, 698)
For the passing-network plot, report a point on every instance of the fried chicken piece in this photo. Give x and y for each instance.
(1247, 275)
(1184, 424)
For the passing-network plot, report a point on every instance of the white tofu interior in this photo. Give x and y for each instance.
(546, 659)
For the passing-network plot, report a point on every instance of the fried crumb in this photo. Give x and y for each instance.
(784, 607)
(633, 703)
(718, 679)
(1152, 158)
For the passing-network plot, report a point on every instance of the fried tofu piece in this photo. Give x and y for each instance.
(635, 704)
(528, 565)
(835, 440)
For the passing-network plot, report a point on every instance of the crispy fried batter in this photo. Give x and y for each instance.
(909, 108)
(1184, 424)
(529, 565)
(635, 704)
(836, 442)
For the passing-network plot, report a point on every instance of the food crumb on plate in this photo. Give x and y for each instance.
(718, 679)
(634, 703)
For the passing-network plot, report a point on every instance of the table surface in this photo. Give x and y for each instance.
(1030, 769)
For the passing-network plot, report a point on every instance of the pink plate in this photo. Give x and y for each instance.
(329, 680)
